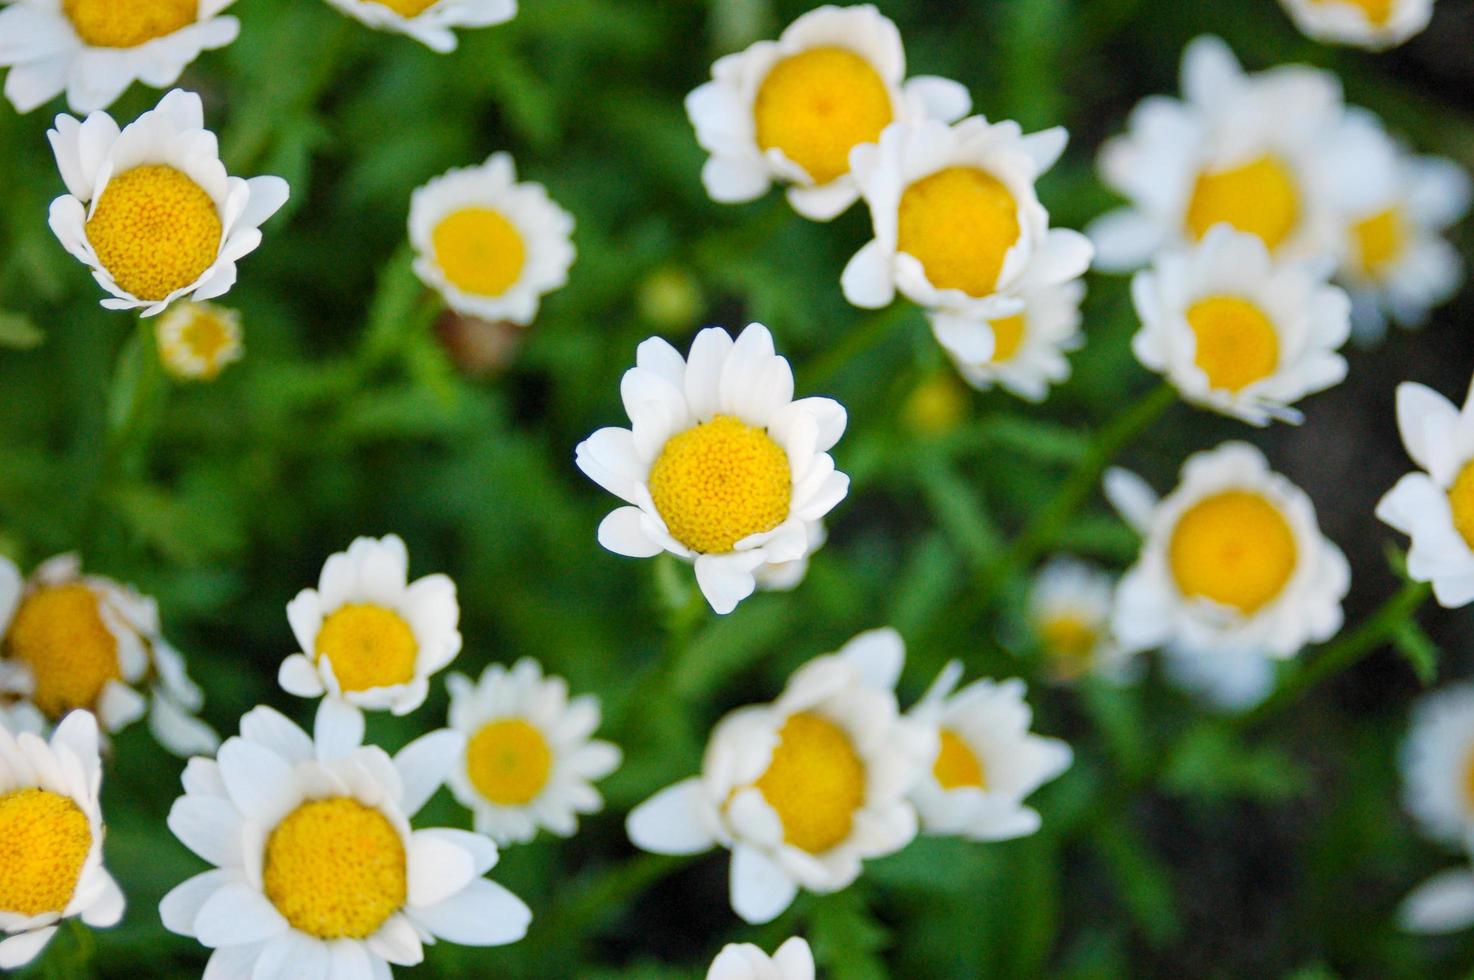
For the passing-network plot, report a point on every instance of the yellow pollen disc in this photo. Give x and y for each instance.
(818, 105)
(509, 762)
(1379, 241)
(1258, 198)
(44, 840)
(720, 482)
(59, 633)
(335, 869)
(1235, 548)
(128, 23)
(959, 224)
(154, 230)
(1461, 503)
(1237, 344)
(815, 782)
(1378, 12)
(957, 765)
(1008, 337)
(405, 8)
(479, 250)
(1068, 638)
(369, 646)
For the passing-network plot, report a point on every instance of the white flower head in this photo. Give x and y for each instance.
(1442, 904)
(1069, 612)
(1373, 24)
(790, 111)
(1437, 762)
(150, 209)
(197, 341)
(721, 465)
(94, 49)
(431, 22)
(804, 789)
(744, 961)
(493, 248)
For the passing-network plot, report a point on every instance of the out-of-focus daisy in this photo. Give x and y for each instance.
(744, 961)
(1234, 574)
(1238, 333)
(790, 111)
(1438, 765)
(1070, 617)
(721, 466)
(1442, 904)
(316, 864)
(197, 340)
(936, 406)
(369, 636)
(493, 248)
(530, 760)
(804, 789)
(151, 211)
(431, 22)
(70, 641)
(51, 833)
(94, 49)
(1374, 24)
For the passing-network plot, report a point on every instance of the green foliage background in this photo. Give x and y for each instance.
(1179, 844)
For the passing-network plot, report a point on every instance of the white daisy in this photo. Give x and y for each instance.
(317, 870)
(789, 111)
(1442, 904)
(744, 961)
(70, 641)
(721, 466)
(151, 210)
(1234, 574)
(493, 248)
(197, 340)
(1374, 24)
(1437, 761)
(368, 635)
(804, 789)
(51, 832)
(94, 49)
(430, 22)
(1069, 613)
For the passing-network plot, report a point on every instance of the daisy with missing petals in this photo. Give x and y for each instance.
(529, 761)
(94, 49)
(1437, 763)
(789, 111)
(721, 466)
(804, 789)
(51, 833)
(430, 22)
(318, 871)
(369, 636)
(1234, 574)
(70, 641)
(151, 210)
(1069, 613)
(1238, 333)
(1374, 24)
(491, 247)
(197, 340)
(744, 961)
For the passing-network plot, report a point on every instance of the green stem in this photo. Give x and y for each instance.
(822, 369)
(134, 402)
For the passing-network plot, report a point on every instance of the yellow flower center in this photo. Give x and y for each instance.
(479, 250)
(208, 340)
(719, 482)
(1379, 241)
(59, 634)
(1461, 502)
(1237, 344)
(959, 224)
(335, 869)
(1259, 198)
(369, 646)
(1235, 548)
(818, 105)
(128, 23)
(1069, 639)
(937, 405)
(957, 765)
(44, 840)
(405, 8)
(1378, 12)
(509, 762)
(1008, 337)
(815, 782)
(154, 230)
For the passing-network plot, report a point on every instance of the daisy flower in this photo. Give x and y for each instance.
(197, 340)
(51, 833)
(1442, 904)
(1234, 574)
(369, 636)
(744, 961)
(1374, 24)
(316, 864)
(430, 22)
(151, 211)
(1069, 612)
(529, 760)
(789, 111)
(803, 789)
(491, 247)
(94, 49)
(1437, 763)
(1238, 333)
(721, 466)
(70, 641)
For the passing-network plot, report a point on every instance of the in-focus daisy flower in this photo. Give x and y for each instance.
(1442, 904)
(744, 961)
(1070, 616)
(1438, 765)
(370, 636)
(51, 833)
(94, 49)
(151, 210)
(790, 111)
(70, 641)
(1237, 332)
(317, 868)
(1374, 24)
(197, 340)
(530, 760)
(491, 247)
(721, 466)
(803, 789)
(431, 22)
(1234, 574)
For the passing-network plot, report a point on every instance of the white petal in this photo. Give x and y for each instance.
(438, 868)
(671, 821)
(760, 889)
(1443, 903)
(338, 729)
(867, 281)
(18, 950)
(424, 764)
(236, 915)
(483, 914)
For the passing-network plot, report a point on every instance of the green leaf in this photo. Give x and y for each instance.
(847, 939)
(1210, 762)
(18, 332)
